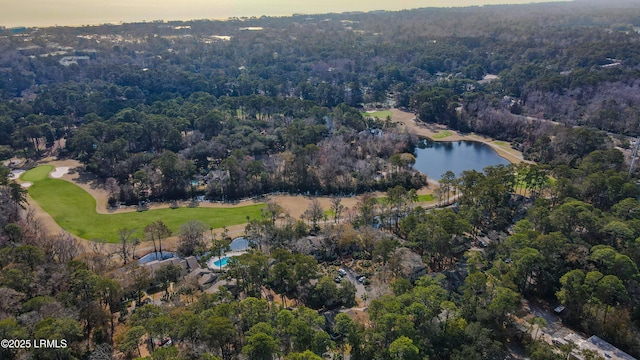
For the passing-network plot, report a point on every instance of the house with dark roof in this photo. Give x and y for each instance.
(411, 266)
(188, 264)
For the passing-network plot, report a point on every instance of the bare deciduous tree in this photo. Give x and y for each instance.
(191, 237)
(111, 185)
(337, 208)
(60, 248)
(314, 214)
(157, 231)
(127, 243)
(272, 211)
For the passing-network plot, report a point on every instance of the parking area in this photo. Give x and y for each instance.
(347, 273)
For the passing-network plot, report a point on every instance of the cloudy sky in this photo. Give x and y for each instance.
(84, 12)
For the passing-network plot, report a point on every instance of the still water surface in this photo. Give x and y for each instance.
(83, 12)
(436, 158)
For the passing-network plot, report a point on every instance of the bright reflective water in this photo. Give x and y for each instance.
(436, 158)
(221, 263)
(75, 12)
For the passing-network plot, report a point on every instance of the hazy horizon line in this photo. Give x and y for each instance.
(147, 11)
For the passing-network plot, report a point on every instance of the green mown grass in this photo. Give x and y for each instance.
(378, 114)
(425, 198)
(75, 210)
(442, 134)
(37, 174)
(421, 198)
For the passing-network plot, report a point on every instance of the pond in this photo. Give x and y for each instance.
(156, 256)
(435, 158)
(239, 244)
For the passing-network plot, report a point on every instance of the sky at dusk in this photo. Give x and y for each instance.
(91, 12)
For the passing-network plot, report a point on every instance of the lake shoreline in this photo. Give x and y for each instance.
(435, 158)
(292, 204)
(431, 132)
(502, 148)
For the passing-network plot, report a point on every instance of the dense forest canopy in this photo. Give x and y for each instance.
(226, 110)
(259, 91)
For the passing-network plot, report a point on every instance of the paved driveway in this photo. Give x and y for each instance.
(352, 276)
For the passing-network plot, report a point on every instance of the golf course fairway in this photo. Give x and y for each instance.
(74, 210)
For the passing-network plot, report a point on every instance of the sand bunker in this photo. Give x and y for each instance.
(15, 174)
(26, 184)
(60, 171)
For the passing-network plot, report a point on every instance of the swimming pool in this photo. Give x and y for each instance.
(239, 244)
(156, 256)
(221, 262)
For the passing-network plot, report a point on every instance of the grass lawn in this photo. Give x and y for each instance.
(75, 210)
(442, 134)
(421, 198)
(500, 143)
(378, 114)
(37, 174)
(425, 198)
